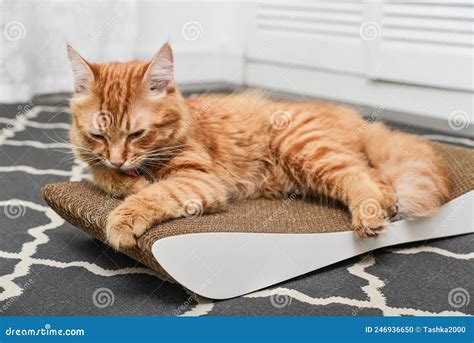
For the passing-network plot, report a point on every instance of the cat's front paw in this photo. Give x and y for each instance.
(369, 218)
(125, 224)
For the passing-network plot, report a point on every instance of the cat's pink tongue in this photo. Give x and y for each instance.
(132, 173)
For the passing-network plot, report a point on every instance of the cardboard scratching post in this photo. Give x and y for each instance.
(257, 243)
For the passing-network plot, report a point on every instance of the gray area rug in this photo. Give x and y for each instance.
(48, 267)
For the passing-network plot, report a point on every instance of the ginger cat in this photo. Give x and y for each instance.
(142, 139)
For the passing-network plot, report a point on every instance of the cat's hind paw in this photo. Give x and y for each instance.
(369, 219)
(364, 231)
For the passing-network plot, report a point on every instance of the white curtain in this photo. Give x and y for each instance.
(33, 56)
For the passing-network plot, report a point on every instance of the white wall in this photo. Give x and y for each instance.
(208, 37)
(33, 57)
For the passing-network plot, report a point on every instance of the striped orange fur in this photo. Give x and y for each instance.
(173, 157)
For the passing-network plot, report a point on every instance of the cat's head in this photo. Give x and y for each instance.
(125, 113)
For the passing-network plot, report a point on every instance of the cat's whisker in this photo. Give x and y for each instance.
(82, 149)
(167, 149)
(155, 163)
(148, 172)
(156, 158)
(63, 151)
(172, 147)
(162, 154)
(91, 160)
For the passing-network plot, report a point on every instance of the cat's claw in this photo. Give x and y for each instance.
(369, 219)
(124, 225)
(120, 237)
(366, 232)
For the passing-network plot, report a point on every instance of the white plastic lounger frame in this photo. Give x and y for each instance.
(226, 265)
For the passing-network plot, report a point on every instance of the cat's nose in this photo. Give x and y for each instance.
(116, 157)
(117, 164)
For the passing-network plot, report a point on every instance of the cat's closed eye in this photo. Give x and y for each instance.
(97, 137)
(136, 134)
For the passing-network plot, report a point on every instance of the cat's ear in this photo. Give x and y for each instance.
(82, 72)
(159, 75)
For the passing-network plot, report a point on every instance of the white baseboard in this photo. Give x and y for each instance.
(226, 265)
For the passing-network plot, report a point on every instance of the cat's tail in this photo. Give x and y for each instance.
(411, 166)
